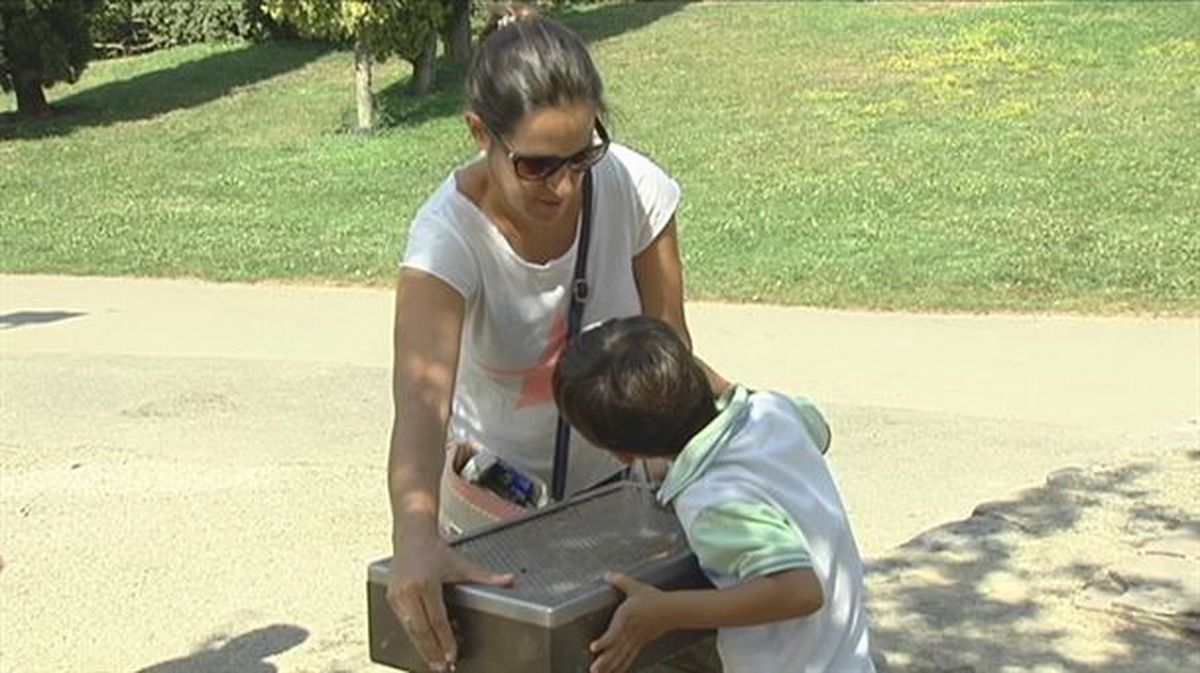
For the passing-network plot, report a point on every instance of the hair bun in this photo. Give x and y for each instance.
(508, 14)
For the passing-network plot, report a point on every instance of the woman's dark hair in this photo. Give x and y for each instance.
(528, 63)
(632, 385)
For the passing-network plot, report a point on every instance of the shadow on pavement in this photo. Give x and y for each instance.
(246, 653)
(22, 318)
(992, 588)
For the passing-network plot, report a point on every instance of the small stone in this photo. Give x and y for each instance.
(1180, 545)
(1068, 477)
(1152, 587)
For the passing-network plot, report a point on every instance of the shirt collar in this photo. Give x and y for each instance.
(733, 407)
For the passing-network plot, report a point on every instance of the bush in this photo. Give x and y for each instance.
(135, 26)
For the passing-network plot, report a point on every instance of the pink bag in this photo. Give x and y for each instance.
(465, 505)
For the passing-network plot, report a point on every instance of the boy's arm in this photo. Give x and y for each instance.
(746, 539)
(786, 595)
(648, 613)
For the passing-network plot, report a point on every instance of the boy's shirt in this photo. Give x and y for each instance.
(755, 497)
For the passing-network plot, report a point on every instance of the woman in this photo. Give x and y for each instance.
(482, 297)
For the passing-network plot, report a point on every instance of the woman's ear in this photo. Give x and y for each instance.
(479, 131)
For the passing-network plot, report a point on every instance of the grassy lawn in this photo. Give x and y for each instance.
(928, 157)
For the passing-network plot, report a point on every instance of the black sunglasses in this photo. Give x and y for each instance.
(534, 168)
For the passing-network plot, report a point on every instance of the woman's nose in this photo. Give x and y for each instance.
(563, 182)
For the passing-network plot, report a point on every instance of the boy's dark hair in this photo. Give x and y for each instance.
(630, 384)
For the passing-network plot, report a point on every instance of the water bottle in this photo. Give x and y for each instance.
(501, 478)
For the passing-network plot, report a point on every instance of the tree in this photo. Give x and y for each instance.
(378, 29)
(456, 34)
(43, 42)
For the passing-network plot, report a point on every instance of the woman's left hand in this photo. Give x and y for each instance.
(636, 623)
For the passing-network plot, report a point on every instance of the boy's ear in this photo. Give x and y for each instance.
(625, 458)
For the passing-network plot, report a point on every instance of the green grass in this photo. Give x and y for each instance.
(928, 157)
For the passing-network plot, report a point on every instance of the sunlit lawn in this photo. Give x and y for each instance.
(930, 157)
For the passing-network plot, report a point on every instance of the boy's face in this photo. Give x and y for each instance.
(624, 458)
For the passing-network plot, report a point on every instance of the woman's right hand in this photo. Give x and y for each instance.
(414, 592)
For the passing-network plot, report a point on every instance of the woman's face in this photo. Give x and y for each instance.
(557, 132)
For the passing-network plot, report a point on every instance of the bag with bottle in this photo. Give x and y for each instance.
(479, 489)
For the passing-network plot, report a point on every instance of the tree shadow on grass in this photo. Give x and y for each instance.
(399, 107)
(246, 653)
(962, 597)
(597, 25)
(154, 93)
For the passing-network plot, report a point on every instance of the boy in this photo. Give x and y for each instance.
(752, 492)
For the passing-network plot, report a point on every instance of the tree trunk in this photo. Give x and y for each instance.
(422, 80)
(362, 84)
(458, 31)
(31, 100)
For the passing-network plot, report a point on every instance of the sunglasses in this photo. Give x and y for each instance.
(533, 168)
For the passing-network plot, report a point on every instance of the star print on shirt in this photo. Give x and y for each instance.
(538, 386)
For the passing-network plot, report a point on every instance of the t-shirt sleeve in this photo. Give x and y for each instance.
(437, 249)
(746, 539)
(815, 423)
(657, 197)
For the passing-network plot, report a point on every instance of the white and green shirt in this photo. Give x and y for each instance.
(755, 497)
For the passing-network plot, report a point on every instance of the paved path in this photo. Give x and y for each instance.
(192, 473)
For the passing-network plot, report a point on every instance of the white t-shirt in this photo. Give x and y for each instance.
(516, 310)
(755, 497)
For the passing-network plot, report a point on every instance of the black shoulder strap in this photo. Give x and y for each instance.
(579, 296)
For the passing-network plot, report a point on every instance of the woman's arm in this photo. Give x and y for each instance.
(427, 333)
(425, 342)
(648, 613)
(659, 273)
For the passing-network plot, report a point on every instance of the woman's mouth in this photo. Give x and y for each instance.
(548, 205)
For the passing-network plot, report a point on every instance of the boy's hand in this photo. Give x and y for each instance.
(635, 623)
